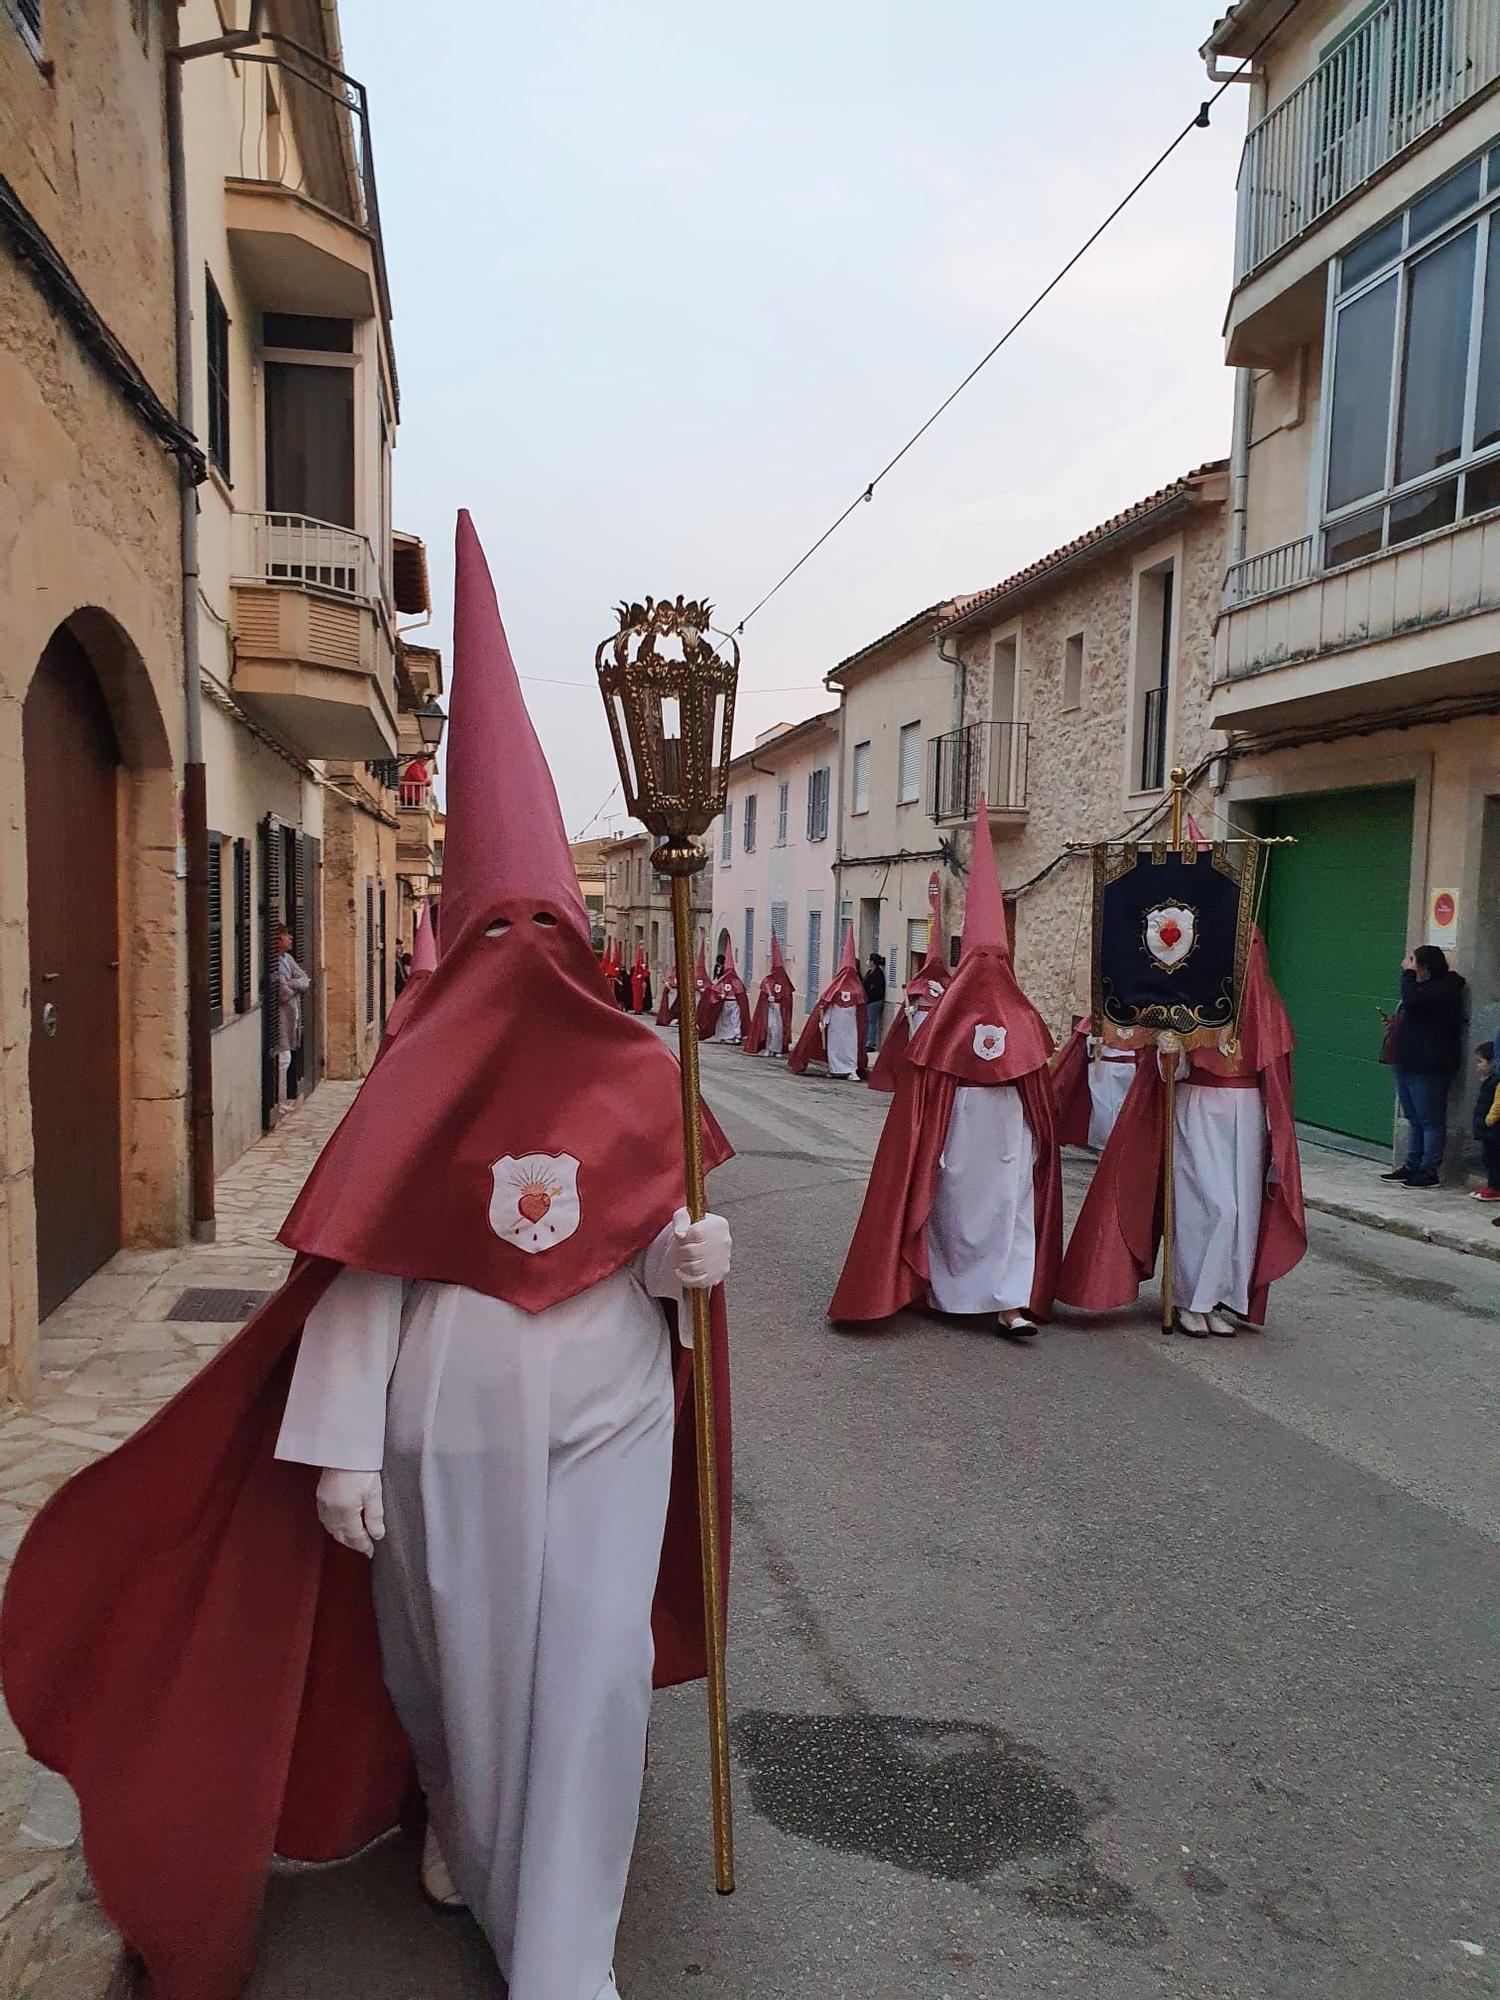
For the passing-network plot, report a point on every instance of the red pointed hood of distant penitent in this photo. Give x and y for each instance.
(540, 1141)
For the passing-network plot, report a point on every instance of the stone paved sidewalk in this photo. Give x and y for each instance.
(1339, 1184)
(110, 1358)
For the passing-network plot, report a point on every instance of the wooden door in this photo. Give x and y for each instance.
(72, 765)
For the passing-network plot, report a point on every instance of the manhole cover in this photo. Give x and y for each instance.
(211, 1303)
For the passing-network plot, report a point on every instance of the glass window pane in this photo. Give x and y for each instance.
(1449, 198)
(1482, 488)
(1367, 256)
(310, 442)
(1435, 362)
(1356, 537)
(1363, 340)
(1487, 399)
(1420, 513)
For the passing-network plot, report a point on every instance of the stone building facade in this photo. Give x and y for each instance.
(637, 905)
(93, 1067)
(1078, 684)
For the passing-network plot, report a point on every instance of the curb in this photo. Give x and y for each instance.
(1416, 1230)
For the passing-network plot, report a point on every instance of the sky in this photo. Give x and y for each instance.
(672, 282)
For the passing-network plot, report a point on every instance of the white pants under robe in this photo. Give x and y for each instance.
(842, 1027)
(775, 1039)
(981, 1232)
(730, 1027)
(526, 1460)
(1109, 1085)
(1218, 1181)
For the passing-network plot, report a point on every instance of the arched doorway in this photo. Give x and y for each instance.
(72, 761)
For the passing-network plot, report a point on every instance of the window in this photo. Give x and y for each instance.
(909, 765)
(243, 910)
(1072, 673)
(370, 940)
(726, 841)
(817, 804)
(1153, 673)
(778, 925)
(846, 920)
(860, 789)
(869, 926)
(814, 960)
(747, 963)
(216, 930)
(752, 806)
(917, 932)
(783, 796)
(216, 324)
(309, 397)
(1414, 370)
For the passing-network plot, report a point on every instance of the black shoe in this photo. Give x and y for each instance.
(1422, 1178)
(1397, 1174)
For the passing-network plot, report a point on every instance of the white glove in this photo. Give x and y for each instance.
(702, 1251)
(351, 1509)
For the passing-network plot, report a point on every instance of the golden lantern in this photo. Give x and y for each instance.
(669, 696)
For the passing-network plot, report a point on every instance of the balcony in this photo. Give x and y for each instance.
(1397, 78)
(313, 653)
(1297, 645)
(416, 828)
(301, 207)
(988, 757)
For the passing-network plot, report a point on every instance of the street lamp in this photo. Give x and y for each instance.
(430, 721)
(669, 696)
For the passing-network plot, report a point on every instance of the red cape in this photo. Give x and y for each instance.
(1116, 1239)
(776, 991)
(183, 1642)
(728, 986)
(931, 983)
(666, 1013)
(886, 1268)
(845, 989)
(1070, 1088)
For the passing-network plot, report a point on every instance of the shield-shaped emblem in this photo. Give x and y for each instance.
(989, 1041)
(535, 1200)
(1171, 933)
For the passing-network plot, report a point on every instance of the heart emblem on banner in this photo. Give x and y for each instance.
(1171, 933)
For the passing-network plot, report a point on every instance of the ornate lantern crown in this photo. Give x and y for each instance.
(669, 696)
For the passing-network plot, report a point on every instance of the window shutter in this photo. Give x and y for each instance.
(216, 930)
(369, 949)
(243, 934)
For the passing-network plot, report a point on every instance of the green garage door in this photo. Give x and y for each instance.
(1335, 923)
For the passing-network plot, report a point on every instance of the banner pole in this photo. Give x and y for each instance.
(1168, 1045)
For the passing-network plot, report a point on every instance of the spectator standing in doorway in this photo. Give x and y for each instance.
(874, 985)
(1426, 1050)
(289, 982)
(1487, 1120)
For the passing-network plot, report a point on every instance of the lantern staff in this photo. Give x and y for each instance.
(669, 697)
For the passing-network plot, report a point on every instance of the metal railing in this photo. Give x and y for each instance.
(988, 757)
(1153, 771)
(305, 126)
(1281, 568)
(415, 795)
(316, 555)
(1400, 74)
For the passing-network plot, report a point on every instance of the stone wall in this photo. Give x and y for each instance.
(89, 527)
(1081, 762)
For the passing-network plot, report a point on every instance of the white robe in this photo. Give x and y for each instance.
(729, 1028)
(526, 1460)
(1110, 1078)
(1220, 1153)
(841, 1025)
(981, 1232)
(775, 1035)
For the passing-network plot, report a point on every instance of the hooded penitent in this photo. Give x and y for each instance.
(771, 1029)
(924, 989)
(667, 1011)
(983, 1037)
(1115, 1241)
(1089, 1082)
(180, 1638)
(640, 983)
(423, 962)
(834, 1032)
(725, 1007)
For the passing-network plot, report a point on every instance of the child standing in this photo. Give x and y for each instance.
(1487, 1120)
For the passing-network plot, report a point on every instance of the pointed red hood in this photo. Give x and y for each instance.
(778, 963)
(424, 956)
(846, 988)
(931, 978)
(983, 1029)
(700, 970)
(505, 836)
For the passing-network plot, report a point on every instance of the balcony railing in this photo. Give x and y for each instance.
(988, 757)
(1400, 74)
(415, 795)
(1281, 568)
(314, 555)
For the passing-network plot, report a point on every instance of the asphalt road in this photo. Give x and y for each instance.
(1113, 1668)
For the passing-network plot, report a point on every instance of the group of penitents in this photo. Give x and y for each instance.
(473, 1380)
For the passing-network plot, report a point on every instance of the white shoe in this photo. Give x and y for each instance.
(1194, 1323)
(1220, 1322)
(438, 1885)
